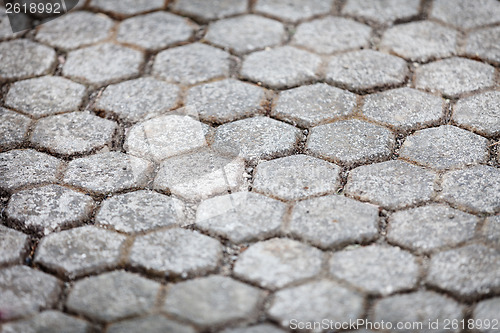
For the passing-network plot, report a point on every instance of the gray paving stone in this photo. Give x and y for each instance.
(390, 269)
(256, 138)
(122, 8)
(491, 230)
(418, 308)
(80, 251)
(420, 41)
(45, 96)
(296, 177)
(73, 133)
(24, 290)
(225, 100)
(468, 272)
(74, 30)
(479, 113)
(200, 175)
(215, 9)
(281, 67)
(48, 321)
(404, 108)
(427, 228)
(313, 105)
(466, 14)
(333, 221)
(166, 136)
(155, 31)
(115, 63)
(138, 99)
(260, 328)
(108, 172)
(241, 217)
(332, 34)
(22, 59)
(113, 296)
(176, 252)
(445, 147)
(191, 64)
(140, 211)
(5, 29)
(484, 44)
(13, 246)
(476, 188)
(454, 76)
(13, 128)
(315, 301)
(487, 310)
(246, 33)
(212, 300)
(392, 184)
(149, 324)
(26, 167)
(48, 208)
(293, 10)
(382, 11)
(278, 262)
(366, 70)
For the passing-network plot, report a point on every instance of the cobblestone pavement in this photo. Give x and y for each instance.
(249, 166)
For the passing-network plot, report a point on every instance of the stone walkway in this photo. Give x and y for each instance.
(252, 167)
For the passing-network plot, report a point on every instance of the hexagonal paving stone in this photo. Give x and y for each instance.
(137, 99)
(418, 308)
(404, 108)
(155, 31)
(115, 63)
(420, 41)
(351, 142)
(382, 11)
(256, 138)
(365, 70)
(390, 269)
(260, 328)
(241, 217)
(13, 128)
(23, 58)
(80, 251)
(108, 172)
(491, 230)
(296, 177)
(424, 229)
(484, 44)
(73, 133)
(212, 300)
(476, 188)
(315, 301)
(225, 100)
(24, 290)
(113, 296)
(140, 211)
(200, 175)
(216, 9)
(445, 147)
(45, 96)
(176, 252)
(166, 136)
(48, 208)
(312, 105)
(48, 321)
(13, 246)
(191, 64)
(276, 263)
(150, 324)
(334, 221)
(26, 167)
(332, 34)
(246, 33)
(469, 272)
(466, 14)
(75, 29)
(123, 8)
(281, 67)
(293, 10)
(487, 310)
(392, 184)
(455, 76)
(479, 113)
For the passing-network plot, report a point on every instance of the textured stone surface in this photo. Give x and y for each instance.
(281, 67)
(466, 14)
(390, 269)
(334, 221)
(479, 113)
(382, 11)
(491, 230)
(484, 44)
(278, 262)
(293, 10)
(13, 246)
(204, 11)
(241, 217)
(13, 128)
(149, 324)
(313, 105)
(260, 328)
(48, 321)
(127, 7)
(487, 310)
(5, 28)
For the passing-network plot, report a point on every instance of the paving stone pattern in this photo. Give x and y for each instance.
(250, 166)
